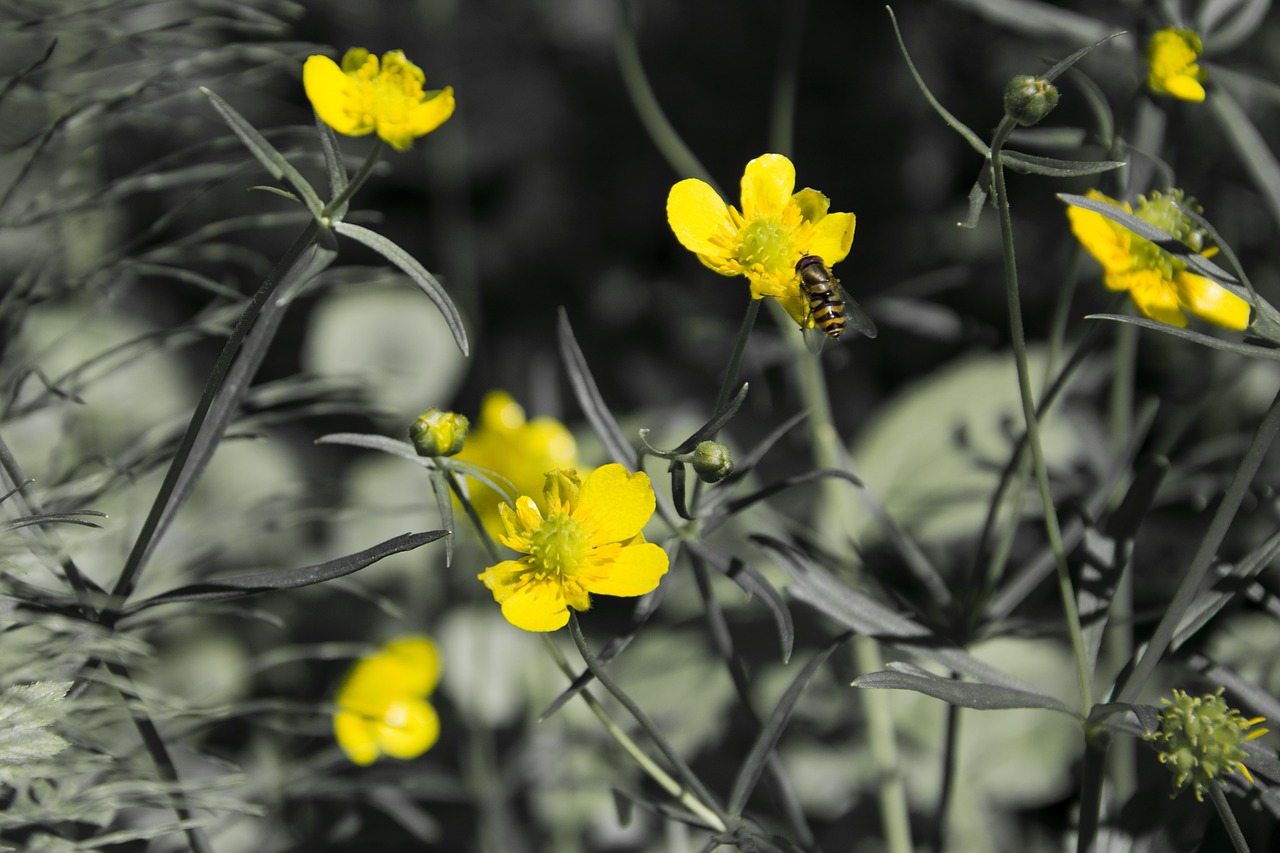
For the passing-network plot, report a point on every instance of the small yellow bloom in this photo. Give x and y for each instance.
(1200, 739)
(1157, 281)
(519, 450)
(1171, 57)
(361, 97)
(382, 705)
(588, 541)
(763, 242)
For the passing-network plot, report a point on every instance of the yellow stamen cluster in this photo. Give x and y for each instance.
(1200, 739)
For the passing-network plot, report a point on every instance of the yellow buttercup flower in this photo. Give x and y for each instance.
(522, 451)
(1157, 281)
(364, 96)
(1171, 58)
(763, 241)
(587, 541)
(382, 705)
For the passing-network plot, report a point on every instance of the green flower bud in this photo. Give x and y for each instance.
(437, 433)
(1200, 739)
(1028, 99)
(712, 462)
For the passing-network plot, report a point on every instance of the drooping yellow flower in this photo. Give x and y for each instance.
(1201, 738)
(1171, 58)
(362, 96)
(587, 541)
(382, 704)
(763, 242)
(522, 451)
(1158, 282)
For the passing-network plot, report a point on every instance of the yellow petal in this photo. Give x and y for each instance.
(418, 660)
(432, 112)
(1211, 301)
(1107, 242)
(832, 237)
(615, 504)
(356, 737)
(813, 204)
(503, 578)
(410, 728)
(1185, 87)
(767, 183)
(334, 96)
(697, 214)
(1154, 295)
(635, 571)
(537, 606)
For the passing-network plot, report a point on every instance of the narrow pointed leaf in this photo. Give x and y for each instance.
(1030, 164)
(266, 153)
(757, 759)
(965, 694)
(737, 505)
(589, 398)
(1195, 337)
(409, 265)
(444, 505)
(754, 584)
(713, 426)
(749, 460)
(240, 586)
(977, 201)
(958, 126)
(333, 165)
(1212, 600)
(1062, 65)
(1148, 715)
(1250, 147)
(393, 446)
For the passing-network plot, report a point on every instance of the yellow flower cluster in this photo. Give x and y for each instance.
(1157, 281)
(365, 96)
(382, 704)
(1201, 739)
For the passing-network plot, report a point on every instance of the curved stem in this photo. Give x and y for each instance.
(1228, 819)
(338, 202)
(1018, 339)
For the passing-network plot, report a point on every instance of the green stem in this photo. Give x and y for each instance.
(949, 758)
(1228, 819)
(883, 741)
(1095, 762)
(1189, 586)
(655, 121)
(338, 203)
(1018, 339)
(710, 817)
(454, 486)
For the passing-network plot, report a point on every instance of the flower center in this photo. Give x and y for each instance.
(767, 244)
(559, 545)
(1165, 212)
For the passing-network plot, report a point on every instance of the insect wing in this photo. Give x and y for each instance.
(855, 317)
(814, 338)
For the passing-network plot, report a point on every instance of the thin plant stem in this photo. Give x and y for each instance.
(689, 780)
(1122, 371)
(950, 756)
(686, 798)
(1228, 819)
(730, 383)
(1091, 783)
(362, 174)
(454, 486)
(655, 121)
(1189, 586)
(1018, 339)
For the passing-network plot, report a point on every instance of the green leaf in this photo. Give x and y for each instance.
(753, 583)
(268, 156)
(588, 395)
(444, 504)
(966, 694)
(1030, 164)
(240, 586)
(27, 715)
(739, 504)
(771, 731)
(713, 426)
(977, 201)
(336, 171)
(416, 271)
(1195, 337)
(1148, 715)
(1035, 18)
(1212, 600)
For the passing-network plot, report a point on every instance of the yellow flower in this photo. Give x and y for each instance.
(1171, 57)
(1202, 738)
(774, 229)
(382, 705)
(522, 451)
(360, 97)
(1157, 281)
(588, 541)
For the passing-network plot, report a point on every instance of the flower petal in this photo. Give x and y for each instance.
(635, 571)
(813, 205)
(1107, 242)
(767, 183)
(504, 578)
(356, 736)
(334, 96)
(696, 214)
(537, 606)
(432, 112)
(615, 504)
(832, 237)
(418, 662)
(1211, 301)
(1152, 293)
(410, 728)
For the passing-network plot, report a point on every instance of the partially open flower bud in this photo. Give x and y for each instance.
(712, 462)
(437, 433)
(1029, 99)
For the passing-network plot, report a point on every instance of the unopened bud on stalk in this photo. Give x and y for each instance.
(1029, 99)
(712, 461)
(437, 433)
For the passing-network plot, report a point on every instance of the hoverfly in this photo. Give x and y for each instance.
(830, 308)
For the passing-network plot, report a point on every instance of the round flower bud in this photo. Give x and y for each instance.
(1028, 99)
(437, 433)
(712, 461)
(1201, 738)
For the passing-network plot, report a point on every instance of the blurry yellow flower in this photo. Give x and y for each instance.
(1201, 738)
(1171, 57)
(522, 451)
(588, 541)
(1157, 281)
(382, 705)
(360, 97)
(765, 240)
